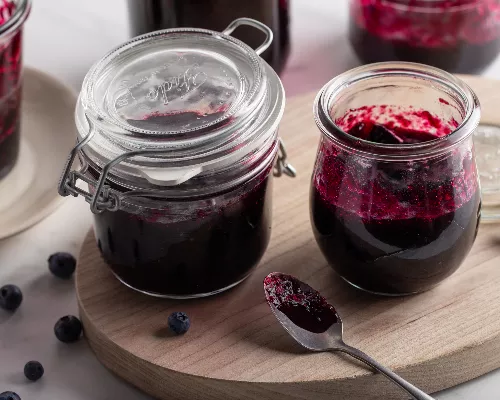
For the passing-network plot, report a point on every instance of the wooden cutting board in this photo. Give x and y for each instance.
(236, 349)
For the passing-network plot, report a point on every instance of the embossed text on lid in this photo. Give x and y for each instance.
(179, 83)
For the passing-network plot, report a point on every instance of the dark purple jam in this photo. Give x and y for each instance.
(152, 15)
(10, 94)
(303, 305)
(189, 248)
(461, 36)
(394, 227)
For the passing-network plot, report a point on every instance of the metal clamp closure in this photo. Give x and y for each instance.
(282, 167)
(102, 197)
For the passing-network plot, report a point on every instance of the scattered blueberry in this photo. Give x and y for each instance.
(11, 297)
(33, 370)
(9, 396)
(62, 265)
(179, 322)
(68, 329)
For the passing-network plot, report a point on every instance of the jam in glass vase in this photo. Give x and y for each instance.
(395, 198)
(13, 14)
(178, 139)
(461, 36)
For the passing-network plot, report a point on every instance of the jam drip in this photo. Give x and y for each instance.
(303, 305)
(10, 92)
(395, 227)
(455, 35)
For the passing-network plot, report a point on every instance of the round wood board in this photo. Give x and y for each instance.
(236, 349)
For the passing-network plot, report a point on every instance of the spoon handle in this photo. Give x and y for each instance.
(359, 355)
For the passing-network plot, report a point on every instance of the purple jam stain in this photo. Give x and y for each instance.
(10, 93)
(303, 305)
(463, 41)
(395, 228)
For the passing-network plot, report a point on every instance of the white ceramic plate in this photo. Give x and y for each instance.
(29, 193)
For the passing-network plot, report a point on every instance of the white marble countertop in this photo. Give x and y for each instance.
(63, 38)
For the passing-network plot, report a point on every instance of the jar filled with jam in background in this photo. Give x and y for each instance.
(460, 36)
(13, 14)
(151, 15)
(395, 198)
(178, 138)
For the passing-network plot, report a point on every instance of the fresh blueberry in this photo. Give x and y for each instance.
(9, 396)
(33, 370)
(62, 265)
(11, 297)
(68, 329)
(179, 322)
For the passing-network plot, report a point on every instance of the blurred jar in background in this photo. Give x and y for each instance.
(152, 15)
(13, 14)
(460, 36)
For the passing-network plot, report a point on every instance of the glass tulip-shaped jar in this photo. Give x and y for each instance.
(395, 198)
(13, 14)
(455, 35)
(178, 138)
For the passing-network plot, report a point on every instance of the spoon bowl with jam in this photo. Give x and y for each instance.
(316, 325)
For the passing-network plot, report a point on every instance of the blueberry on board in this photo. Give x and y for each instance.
(11, 297)
(33, 370)
(9, 396)
(68, 329)
(179, 322)
(62, 265)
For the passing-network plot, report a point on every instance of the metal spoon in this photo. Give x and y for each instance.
(316, 325)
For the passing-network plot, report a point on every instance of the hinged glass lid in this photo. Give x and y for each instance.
(175, 82)
(183, 111)
(178, 83)
(194, 96)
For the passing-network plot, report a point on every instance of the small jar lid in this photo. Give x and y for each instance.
(170, 105)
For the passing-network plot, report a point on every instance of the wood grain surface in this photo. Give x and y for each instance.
(236, 349)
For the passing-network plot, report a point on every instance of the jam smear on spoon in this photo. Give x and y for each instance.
(303, 305)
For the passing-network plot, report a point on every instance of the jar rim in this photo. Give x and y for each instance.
(392, 152)
(21, 12)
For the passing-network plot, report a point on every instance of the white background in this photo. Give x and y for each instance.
(63, 38)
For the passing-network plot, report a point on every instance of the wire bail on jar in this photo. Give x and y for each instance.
(101, 196)
(105, 198)
(282, 167)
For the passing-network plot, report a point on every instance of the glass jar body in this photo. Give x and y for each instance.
(461, 36)
(151, 15)
(395, 198)
(395, 227)
(10, 94)
(190, 247)
(178, 137)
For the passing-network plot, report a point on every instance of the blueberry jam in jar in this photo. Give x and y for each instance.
(151, 15)
(12, 17)
(395, 199)
(461, 36)
(178, 139)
